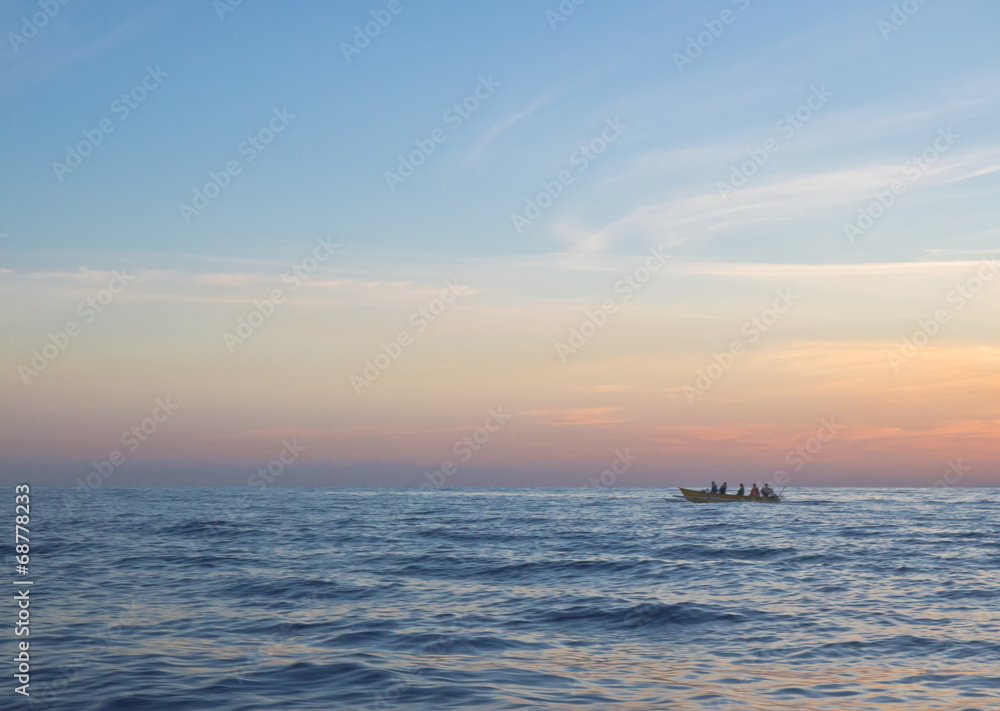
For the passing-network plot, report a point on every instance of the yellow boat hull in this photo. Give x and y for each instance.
(703, 497)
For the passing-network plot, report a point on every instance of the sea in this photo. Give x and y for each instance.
(236, 599)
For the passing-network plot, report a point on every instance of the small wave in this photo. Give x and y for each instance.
(602, 614)
(713, 552)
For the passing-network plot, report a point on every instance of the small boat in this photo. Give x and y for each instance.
(704, 497)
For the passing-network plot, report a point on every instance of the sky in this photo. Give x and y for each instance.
(578, 243)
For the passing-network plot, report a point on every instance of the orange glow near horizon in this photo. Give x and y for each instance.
(629, 386)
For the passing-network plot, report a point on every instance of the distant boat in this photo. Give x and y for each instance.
(704, 497)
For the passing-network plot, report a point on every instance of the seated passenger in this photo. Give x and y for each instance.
(767, 491)
(742, 490)
(755, 492)
(715, 489)
(722, 489)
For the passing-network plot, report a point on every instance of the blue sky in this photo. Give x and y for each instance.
(325, 173)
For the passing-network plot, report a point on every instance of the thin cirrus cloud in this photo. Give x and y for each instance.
(781, 199)
(484, 143)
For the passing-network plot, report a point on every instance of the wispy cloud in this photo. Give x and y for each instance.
(497, 129)
(577, 417)
(784, 198)
(65, 44)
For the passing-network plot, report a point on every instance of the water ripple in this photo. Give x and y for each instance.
(516, 599)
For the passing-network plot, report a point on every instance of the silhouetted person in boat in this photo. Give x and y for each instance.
(742, 490)
(722, 489)
(715, 489)
(767, 491)
(755, 492)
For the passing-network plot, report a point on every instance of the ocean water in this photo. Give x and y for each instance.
(237, 599)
